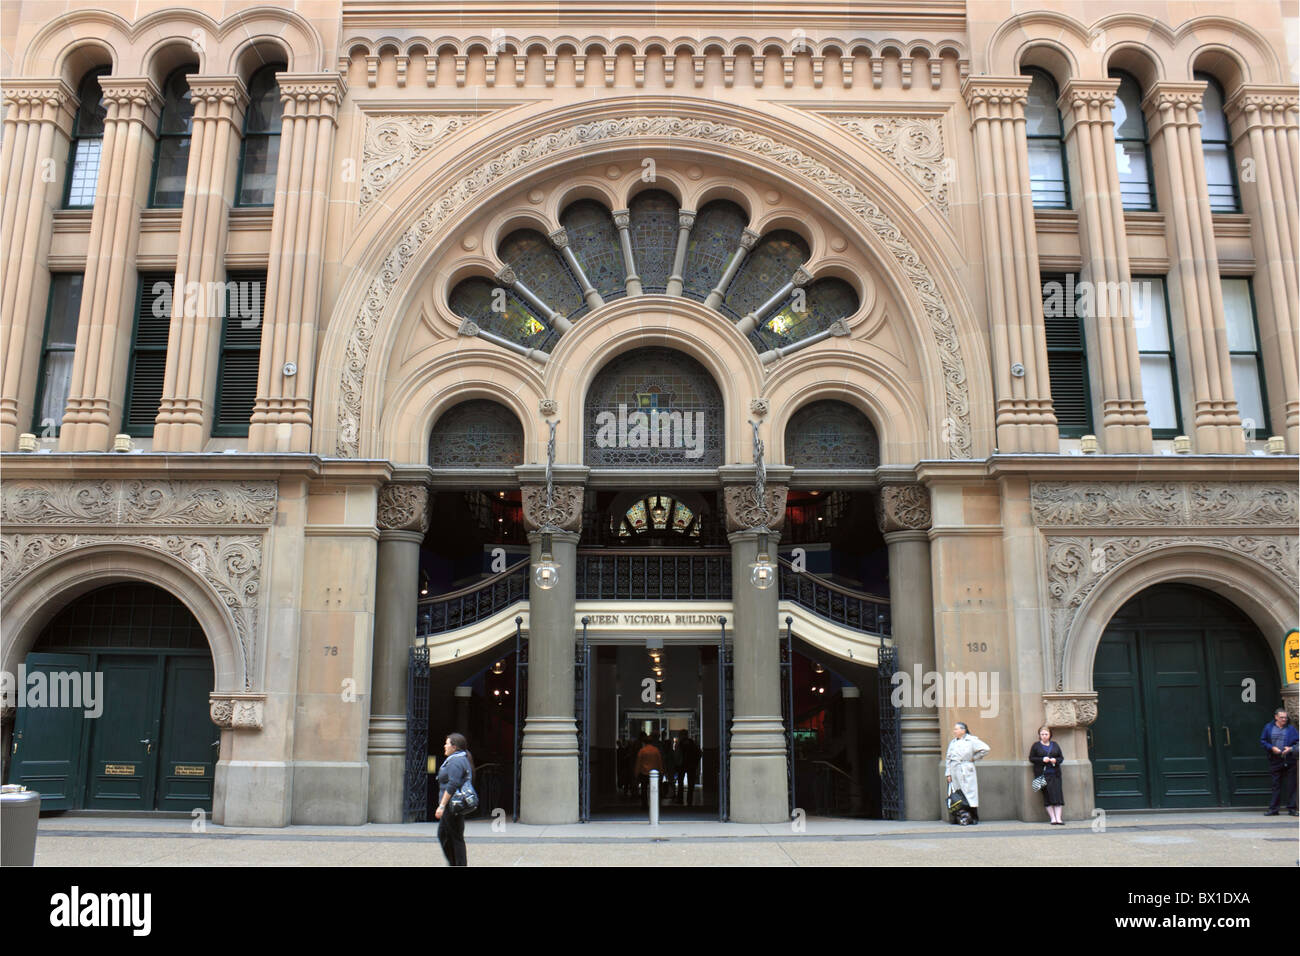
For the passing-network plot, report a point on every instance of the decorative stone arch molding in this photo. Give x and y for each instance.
(389, 269)
(219, 44)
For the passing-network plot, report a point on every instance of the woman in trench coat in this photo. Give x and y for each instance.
(963, 750)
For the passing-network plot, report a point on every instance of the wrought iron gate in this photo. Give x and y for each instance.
(521, 705)
(415, 792)
(582, 716)
(726, 704)
(891, 742)
(787, 710)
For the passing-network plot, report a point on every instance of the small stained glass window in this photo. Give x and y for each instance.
(654, 238)
(500, 311)
(831, 434)
(715, 237)
(538, 265)
(765, 270)
(480, 433)
(594, 241)
(806, 312)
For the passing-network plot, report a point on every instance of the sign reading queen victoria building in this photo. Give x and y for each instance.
(705, 377)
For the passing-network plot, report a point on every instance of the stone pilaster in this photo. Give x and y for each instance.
(194, 338)
(282, 413)
(1086, 107)
(903, 515)
(94, 411)
(38, 121)
(1263, 120)
(402, 517)
(1024, 416)
(1175, 129)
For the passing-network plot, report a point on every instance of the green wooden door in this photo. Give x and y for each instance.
(1178, 720)
(188, 756)
(47, 750)
(1119, 753)
(124, 740)
(1245, 686)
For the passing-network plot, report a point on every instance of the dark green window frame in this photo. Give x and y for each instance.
(79, 136)
(1059, 142)
(38, 428)
(1065, 356)
(240, 355)
(163, 135)
(271, 133)
(147, 357)
(1220, 205)
(1165, 433)
(1144, 141)
(1265, 427)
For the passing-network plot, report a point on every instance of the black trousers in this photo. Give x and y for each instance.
(1284, 784)
(451, 834)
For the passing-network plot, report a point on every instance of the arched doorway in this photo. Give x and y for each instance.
(113, 708)
(1184, 681)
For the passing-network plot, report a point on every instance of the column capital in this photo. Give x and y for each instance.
(125, 92)
(215, 90)
(1086, 94)
(740, 497)
(1166, 96)
(903, 508)
(1263, 105)
(311, 94)
(994, 91)
(1070, 710)
(403, 506)
(565, 513)
(47, 99)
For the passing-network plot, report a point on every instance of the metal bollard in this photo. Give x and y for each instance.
(654, 798)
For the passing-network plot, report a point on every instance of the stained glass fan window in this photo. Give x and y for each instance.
(830, 434)
(477, 433)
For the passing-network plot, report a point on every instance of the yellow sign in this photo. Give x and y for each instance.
(1291, 656)
(120, 769)
(183, 771)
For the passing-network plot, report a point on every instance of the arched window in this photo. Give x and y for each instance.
(260, 150)
(172, 153)
(501, 312)
(1131, 154)
(593, 237)
(652, 407)
(540, 268)
(87, 143)
(1216, 145)
(1046, 136)
(831, 434)
(806, 312)
(657, 517)
(653, 229)
(714, 239)
(765, 271)
(478, 433)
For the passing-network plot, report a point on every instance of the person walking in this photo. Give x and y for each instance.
(457, 769)
(648, 759)
(1279, 740)
(690, 767)
(963, 750)
(1046, 758)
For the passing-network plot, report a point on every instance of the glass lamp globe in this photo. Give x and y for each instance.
(546, 574)
(762, 573)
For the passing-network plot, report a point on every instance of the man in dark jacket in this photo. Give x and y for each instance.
(1279, 740)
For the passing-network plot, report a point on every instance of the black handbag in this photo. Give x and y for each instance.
(957, 801)
(464, 800)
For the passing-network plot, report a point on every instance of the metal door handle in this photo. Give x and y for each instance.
(148, 745)
(1209, 737)
(1227, 736)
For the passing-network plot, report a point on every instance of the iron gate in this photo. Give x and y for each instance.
(582, 716)
(415, 796)
(891, 738)
(787, 710)
(521, 705)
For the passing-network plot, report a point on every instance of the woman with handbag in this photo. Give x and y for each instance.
(1046, 757)
(963, 750)
(455, 783)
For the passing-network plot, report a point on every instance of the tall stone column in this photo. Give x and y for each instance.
(1175, 130)
(756, 775)
(402, 516)
(194, 338)
(1024, 416)
(1263, 122)
(903, 515)
(1090, 133)
(37, 125)
(95, 395)
(282, 412)
(548, 787)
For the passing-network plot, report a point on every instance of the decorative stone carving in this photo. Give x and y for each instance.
(759, 407)
(137, 501)
(903, 508)
(238, 711)
(403, 507)
(745, 512)
(549, 407)
(1076, 565)
(914, 144)
(1161, 505)
(565, 512)
(394, 142)
(589, 135)
(749, 239)
(559, 238)
(686, 219)
(231, 565)
(506, 276)
(1070, 710)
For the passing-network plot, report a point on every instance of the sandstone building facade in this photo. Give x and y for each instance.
(974, 327)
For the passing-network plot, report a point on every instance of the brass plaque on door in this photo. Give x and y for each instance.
(120, 769)
(183, 771)
(1116, 766)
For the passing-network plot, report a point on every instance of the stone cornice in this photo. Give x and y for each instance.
(1144, 467)
(14, 465)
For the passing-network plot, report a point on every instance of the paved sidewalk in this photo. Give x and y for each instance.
(1155, 839)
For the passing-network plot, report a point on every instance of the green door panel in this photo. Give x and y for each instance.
(1178, 715)
(123, 741)
(1118, 751)
(47, 740)
(188, 755)
(1242, 668)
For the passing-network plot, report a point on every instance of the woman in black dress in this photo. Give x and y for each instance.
(1046, 758)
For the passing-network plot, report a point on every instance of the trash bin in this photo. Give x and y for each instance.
(19, 810)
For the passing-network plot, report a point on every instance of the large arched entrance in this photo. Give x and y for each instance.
(1185, 681)
(113, 708)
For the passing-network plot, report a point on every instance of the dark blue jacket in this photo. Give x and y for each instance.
(1290, 737)
(453, 773)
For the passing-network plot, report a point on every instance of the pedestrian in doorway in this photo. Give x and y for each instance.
(457, 769)
(963, 750)
(690, 767)
(1279, 740)
(1046, 758)
(648, 759)
(675, 769)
